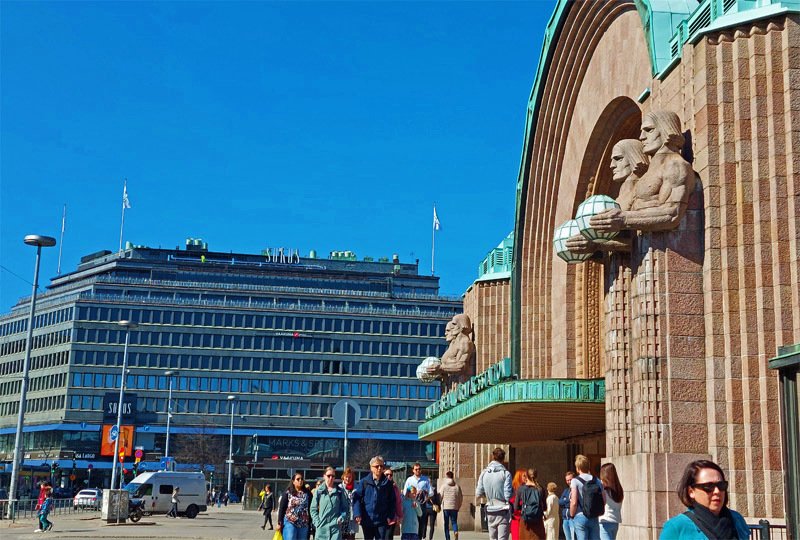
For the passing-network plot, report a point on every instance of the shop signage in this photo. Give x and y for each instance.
(85, 455)
(282, 255)
(111, 402)
(494, 374)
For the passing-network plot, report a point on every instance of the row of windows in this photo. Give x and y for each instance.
(259, 386)
(43, 319)
(35, 405)
(42, 340)
(292, 409)
(45, 382)
(42, 361)
(297, 343)
(261, 322)
(238, 363)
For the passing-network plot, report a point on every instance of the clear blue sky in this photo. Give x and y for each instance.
(327, 126)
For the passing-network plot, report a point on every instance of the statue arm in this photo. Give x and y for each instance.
(579, 245)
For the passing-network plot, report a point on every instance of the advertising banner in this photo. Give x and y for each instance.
(125, 440)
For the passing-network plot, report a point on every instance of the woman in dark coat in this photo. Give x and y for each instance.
(267, 505)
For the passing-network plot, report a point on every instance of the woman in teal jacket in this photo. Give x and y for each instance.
(704, 490)
(330, 508)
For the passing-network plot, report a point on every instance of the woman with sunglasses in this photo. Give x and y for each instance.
(293, 511)
(330, 508)
(704, 490)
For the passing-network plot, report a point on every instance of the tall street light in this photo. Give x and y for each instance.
(128, 326)
(230, 444)
(169, 374)
(39, 242)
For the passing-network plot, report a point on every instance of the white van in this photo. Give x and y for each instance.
(155, 489)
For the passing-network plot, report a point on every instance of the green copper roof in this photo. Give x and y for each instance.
(583, 397)
(498, 261)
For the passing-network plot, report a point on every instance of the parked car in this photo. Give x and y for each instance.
(88, 498)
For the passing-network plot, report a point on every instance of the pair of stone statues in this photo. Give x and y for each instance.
(656, 184)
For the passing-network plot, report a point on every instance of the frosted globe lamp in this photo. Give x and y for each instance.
(596, 204)
(426, 370)
(563, 232)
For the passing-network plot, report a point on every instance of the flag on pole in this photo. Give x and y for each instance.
(125, 202)
(436, 224)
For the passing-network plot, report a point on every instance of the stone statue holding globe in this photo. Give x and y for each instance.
(459, 356)
(653, 197)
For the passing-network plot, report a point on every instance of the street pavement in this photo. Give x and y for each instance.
(226, 523)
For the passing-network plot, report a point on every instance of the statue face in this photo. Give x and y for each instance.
(651, 137)
(620, 166)
(452, 329)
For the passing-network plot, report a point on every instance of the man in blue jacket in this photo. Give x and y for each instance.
(374, 502)
(563, 503)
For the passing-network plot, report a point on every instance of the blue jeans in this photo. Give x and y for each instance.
(608, 530)
(293, 532)
(586, 528)
(569, 530)
(450, 516)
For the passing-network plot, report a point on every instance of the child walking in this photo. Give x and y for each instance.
(47, 505)
(411, 514)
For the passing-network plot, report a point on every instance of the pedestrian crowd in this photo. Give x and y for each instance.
(590, 508)
(375, 506)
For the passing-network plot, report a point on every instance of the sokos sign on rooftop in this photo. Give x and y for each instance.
(495, 374)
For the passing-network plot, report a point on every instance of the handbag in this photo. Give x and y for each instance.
(277, 536)
(437, 508)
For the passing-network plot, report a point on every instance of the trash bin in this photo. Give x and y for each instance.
(484, 519)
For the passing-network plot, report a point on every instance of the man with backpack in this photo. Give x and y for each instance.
(586, 501)
(494, 483)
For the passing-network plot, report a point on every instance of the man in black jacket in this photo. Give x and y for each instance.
(374, 502)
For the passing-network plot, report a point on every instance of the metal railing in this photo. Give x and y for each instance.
(767, 531)
(26, 508)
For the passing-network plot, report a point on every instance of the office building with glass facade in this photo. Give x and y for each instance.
(287, 336)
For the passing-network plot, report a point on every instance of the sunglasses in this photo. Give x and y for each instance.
(708, 487)
(378, 466)
(329, 476)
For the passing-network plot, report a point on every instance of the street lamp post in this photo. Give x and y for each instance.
(230, 444)
(39, 242)
(128, 325)
(169, 374)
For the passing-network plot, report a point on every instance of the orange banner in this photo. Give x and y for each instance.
(125, 441)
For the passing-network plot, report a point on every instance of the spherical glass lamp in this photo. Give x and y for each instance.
(589, 208)
(563, 232)
(426, 371)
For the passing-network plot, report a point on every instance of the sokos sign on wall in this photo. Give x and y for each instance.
(111, 402)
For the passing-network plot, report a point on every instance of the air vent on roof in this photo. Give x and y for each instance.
(702, 20)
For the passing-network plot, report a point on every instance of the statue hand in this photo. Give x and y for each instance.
(608, 221)
(579, 245)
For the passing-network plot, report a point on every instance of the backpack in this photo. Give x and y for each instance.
(592, 503)
(532, 508)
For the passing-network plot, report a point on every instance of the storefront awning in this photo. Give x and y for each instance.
(523, 411)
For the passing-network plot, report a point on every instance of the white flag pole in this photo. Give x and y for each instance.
(61, 243)
(125, 204)
(433, 240)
